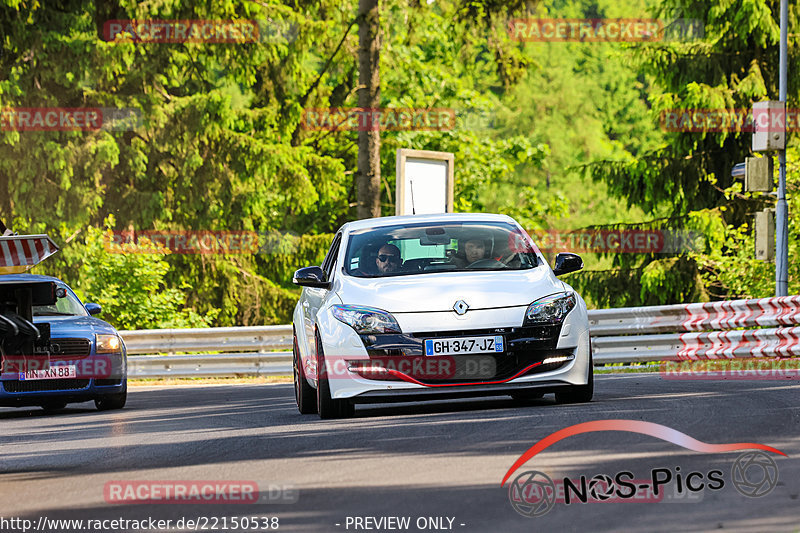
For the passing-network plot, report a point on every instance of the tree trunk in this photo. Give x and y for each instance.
(105, 11)
(368, 178)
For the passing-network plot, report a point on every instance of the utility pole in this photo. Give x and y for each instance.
(781, 211)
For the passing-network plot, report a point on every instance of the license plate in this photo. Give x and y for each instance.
(54, 372)
(464, 345)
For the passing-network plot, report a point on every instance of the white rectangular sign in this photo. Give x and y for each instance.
(424, 182)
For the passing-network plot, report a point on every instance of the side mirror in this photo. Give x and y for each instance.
(311, 277)
(93, 309)
(566, 263)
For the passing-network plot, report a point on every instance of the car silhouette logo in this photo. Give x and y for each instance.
(460, 307)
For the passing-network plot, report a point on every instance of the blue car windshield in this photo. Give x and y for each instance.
(69, 305)
(422, 248)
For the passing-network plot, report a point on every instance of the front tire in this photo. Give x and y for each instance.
(327, 407)
(108, 402)
(304, 394)
(579, 393)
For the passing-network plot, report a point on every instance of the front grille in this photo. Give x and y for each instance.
(540, 332)
(45, 385)
(524, 346)
(60, 348)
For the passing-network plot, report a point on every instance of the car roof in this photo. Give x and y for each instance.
(416, 219)
(10, 278)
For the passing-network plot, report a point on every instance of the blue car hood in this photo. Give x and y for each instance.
(75, 326)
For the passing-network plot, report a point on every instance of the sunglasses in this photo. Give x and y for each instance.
(383, 258)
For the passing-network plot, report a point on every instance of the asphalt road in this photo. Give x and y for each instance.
(439, 464)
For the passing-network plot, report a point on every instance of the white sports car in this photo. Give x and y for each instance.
(435, 306)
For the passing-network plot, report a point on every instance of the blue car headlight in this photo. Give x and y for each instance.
(108, 343)
(366, 320)
(550, 310)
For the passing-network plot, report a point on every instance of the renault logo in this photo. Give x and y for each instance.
(460, 307)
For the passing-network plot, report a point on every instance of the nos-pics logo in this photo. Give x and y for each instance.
(533, 493)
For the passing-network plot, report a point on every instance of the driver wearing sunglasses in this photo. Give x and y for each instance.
(388, 260)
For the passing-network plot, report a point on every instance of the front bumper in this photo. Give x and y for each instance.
(22, 393)
(521, 366)
(97, 375)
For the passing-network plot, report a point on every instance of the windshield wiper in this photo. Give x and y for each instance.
(52, 313)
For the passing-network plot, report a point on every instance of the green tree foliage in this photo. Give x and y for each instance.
(130, 286)
(221, 144)
(685, 183)
(728, 266)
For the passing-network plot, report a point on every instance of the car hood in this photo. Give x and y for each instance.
(75, 326)
(440, 291)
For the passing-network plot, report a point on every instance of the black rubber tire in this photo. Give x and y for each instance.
(53, 406)
(579, 393)
(304, 394)
(109, 402)
(327, 407)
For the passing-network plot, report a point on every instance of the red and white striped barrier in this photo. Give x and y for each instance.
(776, 342)
(710, 330)
(781, 311)
(18, 253)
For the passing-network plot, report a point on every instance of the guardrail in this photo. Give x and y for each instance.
(243, 339)
(206, 366)
(634, 334)
(697, 331)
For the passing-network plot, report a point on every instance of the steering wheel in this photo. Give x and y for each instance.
(486, 263)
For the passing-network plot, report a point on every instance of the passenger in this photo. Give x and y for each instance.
(504, 254)
(388, 260)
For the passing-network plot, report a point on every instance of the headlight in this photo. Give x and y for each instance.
(108, 344)
(550, 310)
(366, 320)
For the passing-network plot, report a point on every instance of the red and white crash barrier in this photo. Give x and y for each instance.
(18, 253)
(776, 342)
(712, 330)
(780, 311)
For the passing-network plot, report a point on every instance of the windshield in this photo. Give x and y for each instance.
(438, 247)
(68, 305)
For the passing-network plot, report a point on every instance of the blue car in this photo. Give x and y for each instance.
(53, 351)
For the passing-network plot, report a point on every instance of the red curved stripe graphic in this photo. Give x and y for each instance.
(634, 426)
